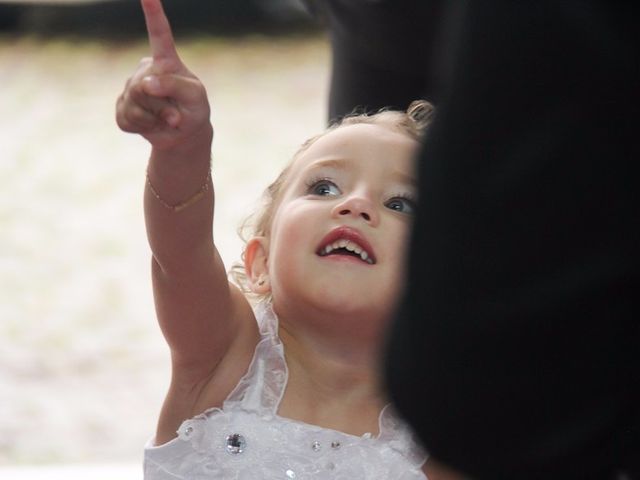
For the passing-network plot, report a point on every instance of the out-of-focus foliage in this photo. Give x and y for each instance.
(124, 18)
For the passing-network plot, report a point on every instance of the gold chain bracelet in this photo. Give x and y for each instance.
(188, 202)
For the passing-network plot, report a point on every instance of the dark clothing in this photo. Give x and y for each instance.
(516, 353)
(379, 52)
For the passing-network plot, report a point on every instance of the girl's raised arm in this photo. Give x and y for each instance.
(200, 315)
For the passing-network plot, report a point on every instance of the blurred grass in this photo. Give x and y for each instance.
(83, 367)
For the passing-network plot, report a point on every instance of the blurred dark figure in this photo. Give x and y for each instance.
(516, 354)
(379, 52)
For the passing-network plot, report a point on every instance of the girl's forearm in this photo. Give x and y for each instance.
(178, 204)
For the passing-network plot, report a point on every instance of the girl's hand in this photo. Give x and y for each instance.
(163, 101)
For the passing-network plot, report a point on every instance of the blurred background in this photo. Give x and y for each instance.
(83, 366)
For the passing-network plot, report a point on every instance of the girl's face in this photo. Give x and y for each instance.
(339, 234)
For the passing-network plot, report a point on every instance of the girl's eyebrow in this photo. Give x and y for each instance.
(337, 163)
(404, 178)
(342, 164)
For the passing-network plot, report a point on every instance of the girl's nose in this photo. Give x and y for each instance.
(357, 206)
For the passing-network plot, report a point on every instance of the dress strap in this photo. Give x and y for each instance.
(397, 434)
(262, 387)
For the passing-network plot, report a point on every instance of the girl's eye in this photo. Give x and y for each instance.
(324, 188)
(402, 205)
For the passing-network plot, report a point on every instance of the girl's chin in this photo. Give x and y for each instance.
(349, 306)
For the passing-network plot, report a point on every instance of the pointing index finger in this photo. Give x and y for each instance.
(160, 36)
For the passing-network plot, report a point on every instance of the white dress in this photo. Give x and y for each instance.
(247, 440)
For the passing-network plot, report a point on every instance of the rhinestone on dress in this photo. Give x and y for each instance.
(290, 474)
(235, 443)
(188, 431)
(335, 445)
(315, 446)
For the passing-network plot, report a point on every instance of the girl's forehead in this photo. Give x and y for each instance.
(368, 144)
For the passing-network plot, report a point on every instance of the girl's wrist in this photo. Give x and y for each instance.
(179, 176)
(190, 149)
(187, 202)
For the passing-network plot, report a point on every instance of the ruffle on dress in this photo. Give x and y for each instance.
(247, 440)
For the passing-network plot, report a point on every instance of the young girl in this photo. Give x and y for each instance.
(292, 389)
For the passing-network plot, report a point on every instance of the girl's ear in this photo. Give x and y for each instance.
(256, 266)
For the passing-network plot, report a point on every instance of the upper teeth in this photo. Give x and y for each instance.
(348, 245)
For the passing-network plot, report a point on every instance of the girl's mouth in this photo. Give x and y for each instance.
(346, 247)
(347, 241)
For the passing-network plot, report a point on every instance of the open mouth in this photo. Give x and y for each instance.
(348, 242)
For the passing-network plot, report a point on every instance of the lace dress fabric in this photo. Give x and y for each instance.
(247, 440)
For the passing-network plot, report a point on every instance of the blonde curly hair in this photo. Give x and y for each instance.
(413, 122)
